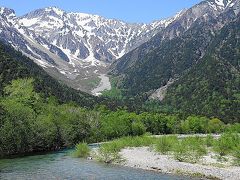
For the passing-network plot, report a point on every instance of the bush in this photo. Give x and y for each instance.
(195, 124)
(209, 141)
(215, 126)
(236, 155)
(233, 128)
(180, 151)
(82, 150)
(190, 149)
(226, 144)
(108, 152)
(165, 144)
(138, 128)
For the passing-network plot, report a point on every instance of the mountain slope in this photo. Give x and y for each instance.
(209, 9)
(172, 57)
(212, 86)
(14, 65)
(195, 71)
(75, 48)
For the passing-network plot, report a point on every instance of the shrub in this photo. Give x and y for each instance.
(209, 141)
(82, 150)
(190, 149)
(138, 128)
(108, 152)
(165, 144)
(226, 144)
(180, 151)
(236, 155)
(195, 124)
(197, 147)
(234, 128)
(215, 125)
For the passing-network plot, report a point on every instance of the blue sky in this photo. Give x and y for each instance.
(127, 10)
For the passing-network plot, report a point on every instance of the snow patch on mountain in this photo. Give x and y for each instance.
(104, 85)
(221, 4)
(77, 44)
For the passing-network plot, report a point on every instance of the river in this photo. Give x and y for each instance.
(61, 165)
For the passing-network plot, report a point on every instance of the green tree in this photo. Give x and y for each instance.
(215, 125)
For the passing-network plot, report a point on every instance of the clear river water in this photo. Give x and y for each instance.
(61, 165)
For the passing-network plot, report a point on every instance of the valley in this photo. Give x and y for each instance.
(81, 93)
(103, 85)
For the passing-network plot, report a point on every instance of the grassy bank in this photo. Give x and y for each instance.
(189, 149)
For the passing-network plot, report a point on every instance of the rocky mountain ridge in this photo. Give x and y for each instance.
(75, 48)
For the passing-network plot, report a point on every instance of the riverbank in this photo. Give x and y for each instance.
(147, 159)
(201, 156)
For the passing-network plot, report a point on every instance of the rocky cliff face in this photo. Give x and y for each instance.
(187, 19)
(74, 47)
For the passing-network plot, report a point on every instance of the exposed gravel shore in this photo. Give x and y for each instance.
(103, 85)
(144, 158)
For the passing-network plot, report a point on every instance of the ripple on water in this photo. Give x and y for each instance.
(61, 165)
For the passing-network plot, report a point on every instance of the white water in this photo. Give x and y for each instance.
(103, 85)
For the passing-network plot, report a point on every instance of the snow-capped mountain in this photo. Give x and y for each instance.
(74, 44)
(76, 48)
(86, 36)
(157, 64)
(185, 20)
(221, 4)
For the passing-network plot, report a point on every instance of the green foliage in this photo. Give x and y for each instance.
(121, 123)
(195, 124)
(215, 125)
(82, 150)
(108, 153)
(205, 69)
(209, 141)
(138, 128)
(114, 92)
(233, 128)
(165, 144)
(129, 141)
(236, 154)
(226, 144)
(189, 149)
(29, 123)
(180, 152)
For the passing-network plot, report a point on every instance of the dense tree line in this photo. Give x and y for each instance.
(13, 65)
(212, 86)
(205, 67)
(37, 113)
(30, 123)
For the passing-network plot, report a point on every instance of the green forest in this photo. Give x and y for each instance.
(38, 113)
(31, 123)
(205, 70)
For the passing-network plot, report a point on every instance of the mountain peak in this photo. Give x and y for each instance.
(7, 12)
(48, 11)
(55, 9)
(221, 4)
